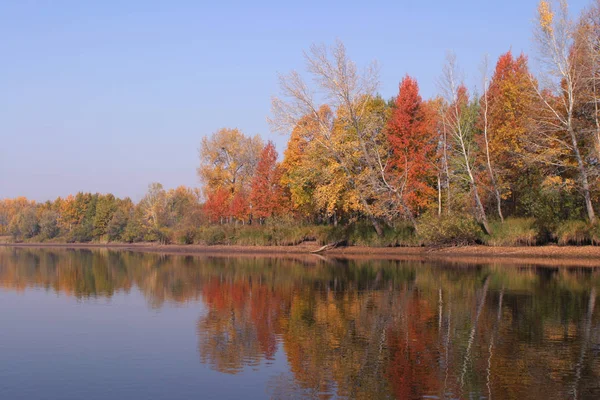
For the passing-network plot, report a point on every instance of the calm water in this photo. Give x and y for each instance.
(120, 325)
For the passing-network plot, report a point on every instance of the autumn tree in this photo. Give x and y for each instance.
(586, 55)
(560, 140)
(240, 206)
(300, 166)
(411, 134)
(9, 208)
(266, 195)
(506, 109)
(49, 224)
(25, 224)
(350, 125)
(217, 205)
(183, 206)
(105, 208)
(228, 159)
(154, 204)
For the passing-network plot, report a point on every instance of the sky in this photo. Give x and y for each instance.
(109, 96)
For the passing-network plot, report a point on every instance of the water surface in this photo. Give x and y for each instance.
(80, 324)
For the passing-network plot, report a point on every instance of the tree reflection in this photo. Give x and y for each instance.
(355, 329)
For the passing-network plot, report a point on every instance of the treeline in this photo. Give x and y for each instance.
(515, 162)
(85, 217)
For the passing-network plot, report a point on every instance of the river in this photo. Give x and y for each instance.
(104, 324)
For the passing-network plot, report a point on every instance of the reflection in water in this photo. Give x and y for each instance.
(360, 329)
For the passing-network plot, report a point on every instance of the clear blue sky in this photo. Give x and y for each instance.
(108, 96)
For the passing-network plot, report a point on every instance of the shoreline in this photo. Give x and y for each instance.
(550, 255)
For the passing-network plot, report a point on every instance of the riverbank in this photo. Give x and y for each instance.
(543, 255)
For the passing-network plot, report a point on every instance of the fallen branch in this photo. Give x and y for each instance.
(329, 246)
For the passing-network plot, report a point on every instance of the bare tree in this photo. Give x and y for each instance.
(460, 126)
(562, 78)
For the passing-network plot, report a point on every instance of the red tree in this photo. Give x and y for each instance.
(266, 195)
(217, 205)
(240, 206)
(411, 135)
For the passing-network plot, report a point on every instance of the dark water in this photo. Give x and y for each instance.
(120, 325)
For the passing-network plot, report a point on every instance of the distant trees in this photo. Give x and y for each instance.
(25, 224)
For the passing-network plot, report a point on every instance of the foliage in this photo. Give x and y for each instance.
(266, 195)
(25, 224)
(81, 234)
(49, 224)
(411, 135)
(228, 159)
(455, 230)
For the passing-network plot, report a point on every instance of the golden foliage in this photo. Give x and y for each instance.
(546, 16)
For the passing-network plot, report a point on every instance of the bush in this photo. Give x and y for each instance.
(576, 233)
(185, 235)
(81, 234)
(212, 235)
(453, 230)
(363, 234)
(513, 232)
(273, 233)
(595, 234)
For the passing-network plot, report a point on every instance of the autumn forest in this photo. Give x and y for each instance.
(513, 161)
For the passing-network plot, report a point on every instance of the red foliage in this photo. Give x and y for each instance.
(240, 206)
(217, 204)
(266, 195)
(413, 368)
(411, 133)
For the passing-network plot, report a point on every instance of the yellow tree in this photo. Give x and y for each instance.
(505, 113)
(228, 159)
(349, 92)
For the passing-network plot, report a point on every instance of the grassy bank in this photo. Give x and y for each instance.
(432, 232)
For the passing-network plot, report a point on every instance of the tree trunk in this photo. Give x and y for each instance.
(478, 202)
(373, 220)
(439, 187)
(493, 179)
(480, 208)
(585, 185)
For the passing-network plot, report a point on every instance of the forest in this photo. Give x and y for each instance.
(514, 161)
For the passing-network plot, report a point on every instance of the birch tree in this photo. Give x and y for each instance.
(561, 79)
(460, 126)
